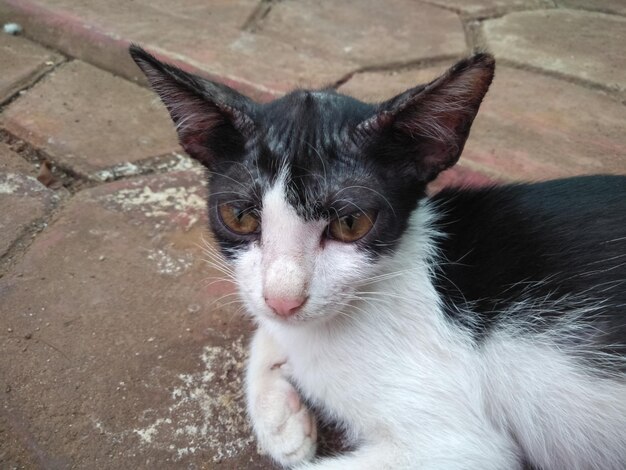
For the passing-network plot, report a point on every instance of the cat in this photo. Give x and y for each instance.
(474, 329)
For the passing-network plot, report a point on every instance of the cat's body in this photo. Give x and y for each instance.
(435, 368)
(477, 329)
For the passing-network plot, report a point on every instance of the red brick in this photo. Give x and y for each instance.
(23, 62)
(88, 120)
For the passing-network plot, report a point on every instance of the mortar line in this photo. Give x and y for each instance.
(491, 12)
(20, 246)
(72, 180)
(619, 94)
(417, 64)
(263, 8)
(38, 77)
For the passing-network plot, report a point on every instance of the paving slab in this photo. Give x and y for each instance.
(368, 32)
(88, 120)
(530, 127)
(23, 62)
(119, 349)
(221, 13)
(605, 6)
(100, 33)
(24, 201)
(574, 43)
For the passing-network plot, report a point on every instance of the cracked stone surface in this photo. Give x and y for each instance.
(116, 349)
(566, 42)
(23, 199)
(90, 121)
(23, 62)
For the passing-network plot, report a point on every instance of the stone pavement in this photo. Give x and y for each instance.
(119, 345)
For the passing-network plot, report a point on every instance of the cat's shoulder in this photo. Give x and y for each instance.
(566, 196)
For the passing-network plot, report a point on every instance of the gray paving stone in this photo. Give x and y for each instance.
(23, 62)
(89, 120)
(578, 44)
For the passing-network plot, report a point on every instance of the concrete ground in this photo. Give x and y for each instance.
(119, 348)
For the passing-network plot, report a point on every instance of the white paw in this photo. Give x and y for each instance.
(285, 428)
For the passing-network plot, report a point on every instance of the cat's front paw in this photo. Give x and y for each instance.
(285, 428)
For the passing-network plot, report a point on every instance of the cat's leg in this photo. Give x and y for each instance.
(284, 427)
(436, 451)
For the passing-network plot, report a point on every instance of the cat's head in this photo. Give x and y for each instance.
(308, 193)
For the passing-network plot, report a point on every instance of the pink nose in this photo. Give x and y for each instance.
(284, 307)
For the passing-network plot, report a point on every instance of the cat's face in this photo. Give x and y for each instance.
(309, 193)
(304, 213)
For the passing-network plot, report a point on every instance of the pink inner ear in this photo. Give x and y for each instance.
(445, 109)
(194, 117)
(438, 118)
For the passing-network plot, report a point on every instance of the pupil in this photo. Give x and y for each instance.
(349, 221)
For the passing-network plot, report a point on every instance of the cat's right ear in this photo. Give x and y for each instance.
(212, 120)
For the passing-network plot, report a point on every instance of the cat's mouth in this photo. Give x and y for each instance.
(301, 317)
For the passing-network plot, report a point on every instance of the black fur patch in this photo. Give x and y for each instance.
(308, 135)
(339, 155)
(559, 243)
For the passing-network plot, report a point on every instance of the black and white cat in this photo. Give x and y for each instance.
(477, 329)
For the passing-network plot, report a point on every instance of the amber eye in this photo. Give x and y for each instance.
(351, 227)
(239, 221)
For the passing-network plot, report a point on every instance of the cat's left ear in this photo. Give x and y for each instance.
(429, 124)
(212, 120)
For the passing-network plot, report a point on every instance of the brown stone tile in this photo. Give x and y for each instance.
(380, 86)
(118, 347)
(606, 6)
(536, 127)
(529, 127)
(100, 33)
(89, 120)
(24, 201)
(23, 62)
(214, 13)
(366, 32)
(578, 44)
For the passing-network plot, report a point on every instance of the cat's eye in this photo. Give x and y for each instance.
(239, 221)
(351, 227)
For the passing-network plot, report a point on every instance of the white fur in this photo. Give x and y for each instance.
(372, 347)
